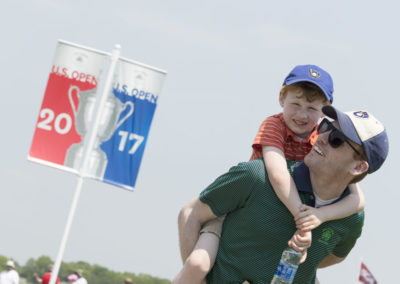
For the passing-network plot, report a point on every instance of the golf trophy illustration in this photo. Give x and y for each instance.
(109, 122)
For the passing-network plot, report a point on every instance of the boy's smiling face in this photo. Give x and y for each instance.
(300, 115)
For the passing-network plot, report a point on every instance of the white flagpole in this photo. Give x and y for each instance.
(85, 160)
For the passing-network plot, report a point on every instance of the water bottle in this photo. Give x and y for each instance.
(287, 267)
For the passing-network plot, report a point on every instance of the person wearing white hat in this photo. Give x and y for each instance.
(77, 277)
(10, 275)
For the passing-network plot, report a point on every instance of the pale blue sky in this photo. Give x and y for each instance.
(226, 61)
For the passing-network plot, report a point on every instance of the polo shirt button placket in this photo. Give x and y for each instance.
(311, 200)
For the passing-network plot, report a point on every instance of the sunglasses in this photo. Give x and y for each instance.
(336, 137)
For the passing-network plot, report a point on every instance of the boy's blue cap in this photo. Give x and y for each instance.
(312, 74)
(365, 130)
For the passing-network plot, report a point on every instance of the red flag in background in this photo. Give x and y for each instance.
(366, 276)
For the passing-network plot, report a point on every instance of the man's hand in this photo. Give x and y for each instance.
(301, 241)
(37, 278)
(308, 218)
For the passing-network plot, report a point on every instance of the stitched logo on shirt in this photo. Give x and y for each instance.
(327, 234)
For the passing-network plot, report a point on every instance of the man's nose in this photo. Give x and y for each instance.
(323, 137)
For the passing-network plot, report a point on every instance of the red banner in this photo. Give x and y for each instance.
(74, 73)
(366, 276)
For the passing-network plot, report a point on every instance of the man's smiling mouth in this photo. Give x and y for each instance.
(318, 150)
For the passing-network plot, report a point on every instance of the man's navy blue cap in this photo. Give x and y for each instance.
(365, 130)
(312, 74)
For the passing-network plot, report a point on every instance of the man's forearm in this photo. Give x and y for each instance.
(188, 232)
(190, 220)
(330, 260)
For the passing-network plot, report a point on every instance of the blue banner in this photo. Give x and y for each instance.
(134, 99)
(126, 146)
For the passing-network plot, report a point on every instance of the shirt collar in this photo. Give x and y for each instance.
(303, 181)
(302, 178)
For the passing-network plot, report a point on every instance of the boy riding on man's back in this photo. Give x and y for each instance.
(289, 135)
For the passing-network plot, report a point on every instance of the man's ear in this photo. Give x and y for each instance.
(360, 167)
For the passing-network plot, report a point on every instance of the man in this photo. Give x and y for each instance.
(258, 225)
(45, 277)
(10, 275)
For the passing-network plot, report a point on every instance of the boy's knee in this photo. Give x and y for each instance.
(198, 263)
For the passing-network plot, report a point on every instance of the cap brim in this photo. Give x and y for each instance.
(345, 123)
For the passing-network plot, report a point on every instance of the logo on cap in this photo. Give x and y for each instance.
(314, 73)
(361, 114)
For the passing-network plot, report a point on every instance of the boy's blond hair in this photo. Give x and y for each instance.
(305, 89)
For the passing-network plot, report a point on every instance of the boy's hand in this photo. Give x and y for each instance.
(301, 241)
(308, 218)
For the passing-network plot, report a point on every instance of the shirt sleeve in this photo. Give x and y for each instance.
(343, 248)
(271, 133)
(231, 190)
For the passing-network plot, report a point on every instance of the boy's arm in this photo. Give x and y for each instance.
(349, 205)
(280, 178)
(286, 190)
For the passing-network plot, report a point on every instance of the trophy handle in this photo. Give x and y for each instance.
(126, 116)
(71, 101)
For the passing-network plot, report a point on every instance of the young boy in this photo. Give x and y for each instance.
(288, 135)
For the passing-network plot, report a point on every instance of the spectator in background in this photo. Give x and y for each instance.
(72, 278)
(77, 277)
(45, 277)
(10, 275)
(128, 281)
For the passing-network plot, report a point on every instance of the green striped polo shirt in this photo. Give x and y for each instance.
(258, 226)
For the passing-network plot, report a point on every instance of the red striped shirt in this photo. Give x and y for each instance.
(274, 132)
